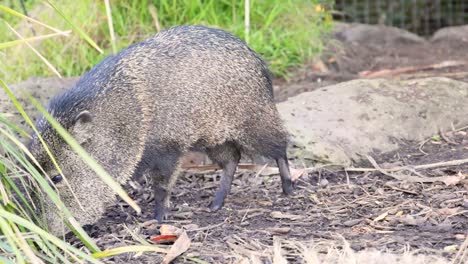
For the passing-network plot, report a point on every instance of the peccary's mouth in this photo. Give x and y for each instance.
(89, 229)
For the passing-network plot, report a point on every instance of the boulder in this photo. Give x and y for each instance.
(457, 34)
(339, 124)
(375, 34)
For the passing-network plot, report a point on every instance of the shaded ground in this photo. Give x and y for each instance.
(428, 217)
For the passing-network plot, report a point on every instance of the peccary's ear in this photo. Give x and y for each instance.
(83, 117)
(82, 127)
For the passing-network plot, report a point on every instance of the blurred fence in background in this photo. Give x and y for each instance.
(419, 16)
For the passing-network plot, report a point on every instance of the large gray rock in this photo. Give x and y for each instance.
(375, 34)
(339, 123)
(457, 33)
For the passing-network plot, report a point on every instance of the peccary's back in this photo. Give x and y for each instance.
(203, 84)
(188, 85)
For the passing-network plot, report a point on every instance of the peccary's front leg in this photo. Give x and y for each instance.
(227, 156)
(162, 193)
(165, 171)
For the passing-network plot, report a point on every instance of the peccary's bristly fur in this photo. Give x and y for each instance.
(137, 112)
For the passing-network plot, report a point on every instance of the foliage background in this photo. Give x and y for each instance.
(285, 32)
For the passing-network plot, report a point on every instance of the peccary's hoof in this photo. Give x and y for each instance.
(288, 188)
(160, 215)
(215, 206)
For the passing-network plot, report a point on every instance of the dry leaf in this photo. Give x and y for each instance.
(181, 245)
(168, 234)
(447, 211)
(280, 215)
(452, 180)
(297, 173)
(161, 239)
(381, 217)
(169, 229)
(451, 248)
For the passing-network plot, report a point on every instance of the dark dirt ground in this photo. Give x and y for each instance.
(426, 217)
(344, 61)
(368, 209)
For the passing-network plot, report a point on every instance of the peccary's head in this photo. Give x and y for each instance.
(108, 128)
(82, 192)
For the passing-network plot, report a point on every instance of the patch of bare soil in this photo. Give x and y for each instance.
(368, 209)
(345, 60)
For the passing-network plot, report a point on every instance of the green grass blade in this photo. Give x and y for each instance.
(77, 29)
(51, 251)
(35, 229)
(44, 185)
(6, 261)
(77, 229)
(9, 235)
(111, 25)
(24, 40)
(14, 127)
(18, 14)
(126, 249)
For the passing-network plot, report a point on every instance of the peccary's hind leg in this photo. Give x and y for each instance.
(164, 172)
(227, 156)
(283, 166)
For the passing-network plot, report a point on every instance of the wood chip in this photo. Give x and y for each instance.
(280, 215)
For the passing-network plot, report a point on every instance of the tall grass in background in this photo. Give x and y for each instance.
(285, 32)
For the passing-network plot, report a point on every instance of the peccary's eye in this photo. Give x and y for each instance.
(57, 178)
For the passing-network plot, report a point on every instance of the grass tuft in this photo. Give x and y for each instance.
(285, 32)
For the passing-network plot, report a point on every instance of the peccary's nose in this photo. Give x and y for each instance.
(57, 178)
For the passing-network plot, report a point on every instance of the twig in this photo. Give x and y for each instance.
(243, 218)
(411, 178)
(110, 23)
(444, 137)
(439, 74)
(390, 72)
(247, 20)
(347, 177)
(461, 128)
(207, 227)
(417, 167)
(261, 170)
(462, 254)
(421, 145)
(154, 15)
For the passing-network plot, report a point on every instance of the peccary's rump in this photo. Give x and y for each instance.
(137, 112)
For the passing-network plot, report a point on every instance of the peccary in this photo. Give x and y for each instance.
(185, 88)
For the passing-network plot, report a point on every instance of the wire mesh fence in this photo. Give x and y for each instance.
(423, 17)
